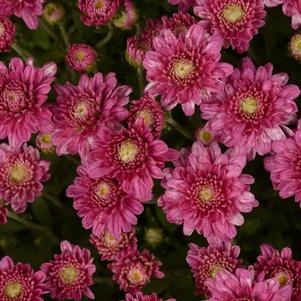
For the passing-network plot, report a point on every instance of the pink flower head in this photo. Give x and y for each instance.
(207, 192)
(21, 175)
(205, 263)
(28, 10)
(284, 164)
(292, 8)
(18, 281)
(83, 111)
(127, 16)
(133, 156)
(282, 267)
(23, 91)
(150, 111)
(135, 269)
(70, 273)
(236, 21)
(138, 45)
(7, 34)
(185, 69)
(140, 297)
(242, 286)
(183, 4)
(102, 203)
(98, 12)
(273, 3)
(253, 109)
(44, 142)
(81, 57)
(111, 248)
(178, 23)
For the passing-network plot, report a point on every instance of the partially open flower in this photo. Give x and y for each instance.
(7, 34)
(295, 47)
(127, 15)
(53, 13)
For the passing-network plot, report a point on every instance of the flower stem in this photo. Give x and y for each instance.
(107, 38)
(33, 226)
(179, 128)
(140, 77)
(23, 53)
(57, 203)
(64, 34)
(50, 32)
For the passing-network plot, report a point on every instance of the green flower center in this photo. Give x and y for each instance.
(13, 289)
(68, 274)
(249, 105)
(233, 13)
(128, 151)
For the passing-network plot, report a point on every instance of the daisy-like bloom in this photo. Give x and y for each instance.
(281, 266)
(53, 13)
(110, 248)
(103, 204)
(3, 213)
(70, 273)
(178, 23)
(284, 166)
(207, 192)
(98, 12)
(81, 57)
(295, 47)
(135, 269)
(18, 281)
(138, 45)
(140, 297)
(236, 21)
(253, 110)
(183, 4)
(23, 91)
(21, 175)
(28, 10)
(44, 142)
(185, 69)
(127, 15)
(83, 111)
(7, 34)
(292, 8)
(133, 156)
(205, 263)
(242, 286)
(205, 135)
(150, 111)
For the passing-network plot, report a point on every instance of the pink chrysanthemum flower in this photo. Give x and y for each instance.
(205, 263)
(140, 297)
(81, 57)
(98, 12)
(7, 34)
(23, 91)
(150, 111)
(127, 15)
(18, 281)
(292, 8)
(183, 4)
(3, 213)
(110, 248)
(28, 10)
(236, 21)
(178, 23)
(135, 269)
(44, 143)
(21, 175)
(253, 109)
(185, 69)
(273, 3)
(133, 156)
(139, 44)
(83, 111)
(242, 286)
(102, 203)
(281, 266)
(207, 192)
(205, 135)
(284, 166)
(70, 273)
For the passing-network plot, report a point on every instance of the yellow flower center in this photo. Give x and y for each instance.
(233, 13)
(147, 117)
(128, 151)
(249, 105)
(183, 68)
(282, 278)
(214, 270)
(206, 194)
(12, 96)
(18, 173)
(68, 274)
(103, 189)
(81, 110)
(109, 240)
(99, 4)
(13, 289)
(135, 275)
(205, 136)
(79, 55)
(46, 138)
